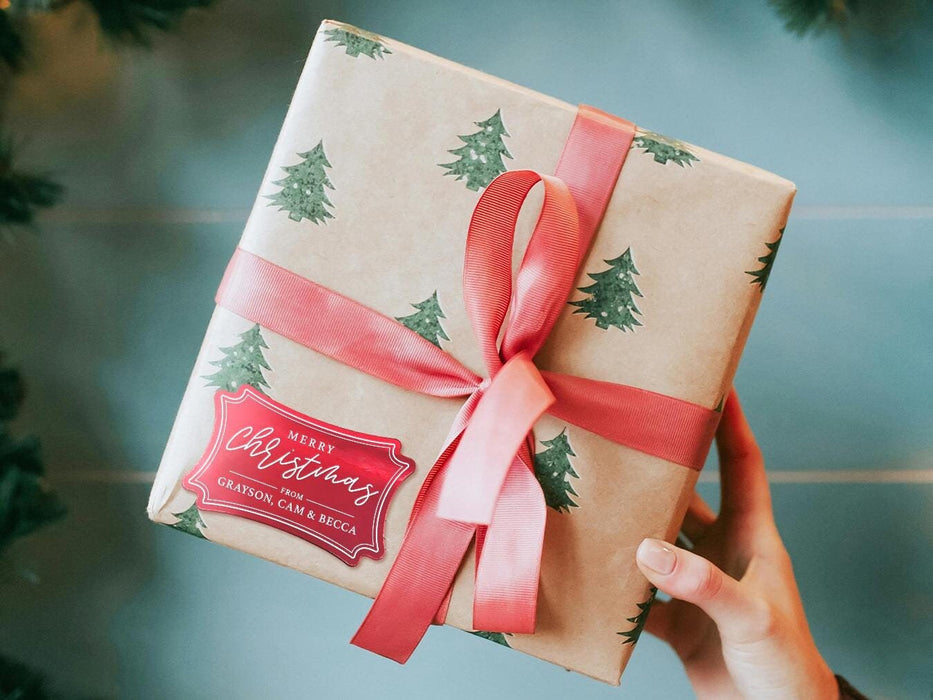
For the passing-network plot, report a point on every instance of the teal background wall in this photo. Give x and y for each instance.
(162, 153)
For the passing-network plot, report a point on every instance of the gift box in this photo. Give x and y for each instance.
(353, 412)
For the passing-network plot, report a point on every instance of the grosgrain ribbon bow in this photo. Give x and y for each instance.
(516, 395)
(483, 484)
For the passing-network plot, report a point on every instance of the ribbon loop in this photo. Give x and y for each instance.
(546, 272)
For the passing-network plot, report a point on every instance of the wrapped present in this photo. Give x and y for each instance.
(470, 351)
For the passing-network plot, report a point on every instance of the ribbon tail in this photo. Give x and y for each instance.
(509, 561)
(450, 444)
(440, 617)
(427, 563)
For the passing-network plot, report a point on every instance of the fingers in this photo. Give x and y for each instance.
(693, 579)
(698, 518)
(743, 481)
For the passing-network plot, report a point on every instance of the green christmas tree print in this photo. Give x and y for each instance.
(302, 194)
(190, 521)
(664, 149)
(760, 276)
(426, 322)
(610, 299)
(496, 637)
(553, 470)
(632, 635)
(358, 42)
(242, 363)
(480, 156)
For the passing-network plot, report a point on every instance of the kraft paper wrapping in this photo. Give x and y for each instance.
(695, 223)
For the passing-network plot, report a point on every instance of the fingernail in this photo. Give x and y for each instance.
(657, 556)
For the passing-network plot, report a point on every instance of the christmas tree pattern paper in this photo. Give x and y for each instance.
(242, 363)
(480, 156)
(426, 322)
(761, 275)
(664, 149)
(496, 637)
(554, 471)
(610, 299)
(639, 620)
(357, 41)
(190, 521)
(302, 194)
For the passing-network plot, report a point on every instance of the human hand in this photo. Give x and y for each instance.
(735, 617)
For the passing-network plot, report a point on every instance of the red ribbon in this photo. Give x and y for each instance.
(482, 485)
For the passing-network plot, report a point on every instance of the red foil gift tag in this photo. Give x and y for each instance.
(325, 484)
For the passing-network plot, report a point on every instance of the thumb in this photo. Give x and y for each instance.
(691, 578)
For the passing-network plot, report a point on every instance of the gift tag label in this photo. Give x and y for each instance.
(328, 485)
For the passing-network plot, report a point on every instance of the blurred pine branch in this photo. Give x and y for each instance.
(131, 20)
(881, 18)
(19, 682)
(12, 49)
(22, 194)
(122, 21)
(26, 504)
(802, 16)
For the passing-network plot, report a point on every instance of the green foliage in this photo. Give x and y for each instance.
(664, 149)
(496, 637)
(358, 42)
(131, 20)
(12, 392)
(302, 193)
(128, 21)
(802, 16)
(242, 363)
(19, 682)
(36, 5)
(760, 276)
(610, 299)
(12, 49)
(480, 156)
(426, 322)
(553, 469)
(190, 521)
(26, 504)
(632, 635)
(22, 194)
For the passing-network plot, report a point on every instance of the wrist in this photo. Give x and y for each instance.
(846, 691)
(827, 684)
